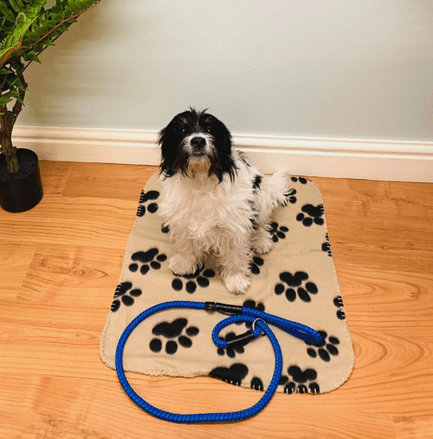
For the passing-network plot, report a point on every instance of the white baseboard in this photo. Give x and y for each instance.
(338, 158)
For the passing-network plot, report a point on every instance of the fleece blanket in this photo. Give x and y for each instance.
(295, 280)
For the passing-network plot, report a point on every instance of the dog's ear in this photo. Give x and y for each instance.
(228, 137)
(224, 147)
(228, 140)
(166, 142)
(170, 139)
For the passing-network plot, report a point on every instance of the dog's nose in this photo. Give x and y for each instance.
(198, 142)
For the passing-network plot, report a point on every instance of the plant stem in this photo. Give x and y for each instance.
(9, 151)
(7, 122)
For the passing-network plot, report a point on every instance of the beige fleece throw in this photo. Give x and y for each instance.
(296, 280)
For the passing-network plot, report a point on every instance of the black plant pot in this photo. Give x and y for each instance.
(21, 191)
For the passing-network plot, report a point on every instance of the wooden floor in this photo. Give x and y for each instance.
(60, 264)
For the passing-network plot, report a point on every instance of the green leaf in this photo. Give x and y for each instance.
(16, 65)
(5, 71)
(6, 12)
(34, 9)
(24, 20)
(38, 27)
(31, 55)
(5, 99)
(16, 6)
(14, 38)
(17, 83)
(15, 95)
(47, 42)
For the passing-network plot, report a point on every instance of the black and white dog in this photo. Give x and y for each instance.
(213, 200)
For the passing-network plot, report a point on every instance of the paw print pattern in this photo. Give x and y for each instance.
(144, 198)
(324, 349)
(234, 374)
(326, 246)
(301, 180)
(252, 304)
(338, 302)
(174, 333)
(311, 214)
(257, 384)
(231, 352)
(199, 278)
(277, 232)
(124, 294)
(290, 197)
(298, 380)
(256, 264)
(147, 261)
(297, 286)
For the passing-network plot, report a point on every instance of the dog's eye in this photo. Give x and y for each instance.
(208, 129)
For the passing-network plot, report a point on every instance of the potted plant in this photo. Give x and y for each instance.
(27, 28)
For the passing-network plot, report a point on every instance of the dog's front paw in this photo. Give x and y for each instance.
(262, 242)
(236, 283)
(282, 182)
(182, 264)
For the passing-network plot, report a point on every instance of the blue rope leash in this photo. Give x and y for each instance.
(260, 321)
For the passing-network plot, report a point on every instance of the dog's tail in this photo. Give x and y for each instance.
(274, 191)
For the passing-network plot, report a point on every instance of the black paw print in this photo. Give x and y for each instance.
(171, 331)
(144, 198)
(301, 180)
(324, 349)
(200, 277)
(299, 381)
(124, 294)
(312, 214)
(232, 375)
(256, 264)
(326, 246)
(338, 302)
(277, 232)
(147, 259)
(252, 304)
(290, 197)
(297, 286)
(231, 352)
(257, 384)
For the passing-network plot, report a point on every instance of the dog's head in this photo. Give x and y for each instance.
(196, 143)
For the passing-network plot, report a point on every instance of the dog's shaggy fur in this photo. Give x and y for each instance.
(214, 201)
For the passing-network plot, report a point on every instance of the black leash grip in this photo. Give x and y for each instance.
(240, 340)
(223, 308)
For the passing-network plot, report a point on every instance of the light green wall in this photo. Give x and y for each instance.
(325, 68)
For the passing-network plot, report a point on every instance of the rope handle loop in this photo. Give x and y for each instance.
(260, 321)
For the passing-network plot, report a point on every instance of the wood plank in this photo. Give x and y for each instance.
(57, 271)
(398, 303)
(81, 221)
(414, 428)
(380, 224)
(116, 181)
(56, 407)
(14, 262)
(54, 176)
